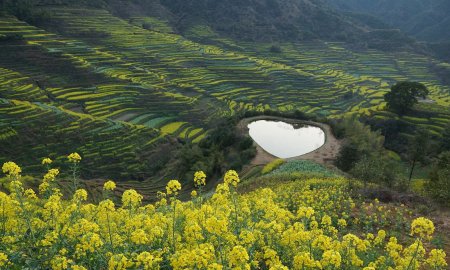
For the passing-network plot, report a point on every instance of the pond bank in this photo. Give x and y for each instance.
(325, 154)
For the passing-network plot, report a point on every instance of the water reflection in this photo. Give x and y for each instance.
(285, 140)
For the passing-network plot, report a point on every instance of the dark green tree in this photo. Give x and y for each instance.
(439, 178)
(418, 148)
(275, 49)
(444, 143)
(377, 169)
(365, 170)
(348, 156)
(404, 94)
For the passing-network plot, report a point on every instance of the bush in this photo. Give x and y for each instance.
(272, 165)
(348, 156)
(13, 37)
(380, 170)
(147, 26)
(25, 10)
(439, 179)
(223, 148)
(444, 143)
(275, 49)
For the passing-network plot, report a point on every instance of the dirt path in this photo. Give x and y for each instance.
(324, 154)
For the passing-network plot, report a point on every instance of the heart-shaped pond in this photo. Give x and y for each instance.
(285, 140)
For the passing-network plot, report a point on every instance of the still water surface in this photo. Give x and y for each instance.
(285, 140)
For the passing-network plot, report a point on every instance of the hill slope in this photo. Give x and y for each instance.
(251, 20)
(268, 20)
(427, 20)
(138, 72)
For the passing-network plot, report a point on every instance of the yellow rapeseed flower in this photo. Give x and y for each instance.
(11, 169)
(78, 267)
(74, 157)
(110, 185)
(173, 187)
(30, 194)
(3, 259)
(44, 187)
(147, 261)
(131, 198)
(51, 175)
(60, 263)
(305, 260)
(238, 257)
(231, 178)
(331, 257)
(119, 262)
(436, 259)
(342, 223)
(199, 178)
(46, 161)
(423, 227)
(80, 195)
(106, 205)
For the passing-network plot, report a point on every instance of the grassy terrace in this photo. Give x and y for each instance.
(105, 77)
(369, 74)
(14, 85)
(191, 68)
(36, 129)
(435, 118)
(126, 95)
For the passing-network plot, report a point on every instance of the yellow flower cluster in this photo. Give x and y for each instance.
(45, 186)
(46, 161)
(173, 187)
(11, 169)
(119, 262)
(308, 224)
(51, 175)
(147, 261)
(131, 198)
(110, 185)
(423, 227)
(80, 195)
(74, 157)
(231, 178)
(3, 259)
(199, 179)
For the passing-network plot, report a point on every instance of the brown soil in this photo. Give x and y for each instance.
(325, 154)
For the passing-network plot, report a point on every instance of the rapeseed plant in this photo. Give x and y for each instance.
(310, 224)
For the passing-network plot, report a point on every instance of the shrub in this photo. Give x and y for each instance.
(439, 179)
(275, 49)
(147, 26)
(272, 165)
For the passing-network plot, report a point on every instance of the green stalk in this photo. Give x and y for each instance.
(109, 231)
(3, 220)
(233, 200)
(173, 225)
(415, 254)
(74, 177)
(19, 196)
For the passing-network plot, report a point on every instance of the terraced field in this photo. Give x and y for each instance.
(30, 131)
(95, 78)
(435, 118)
